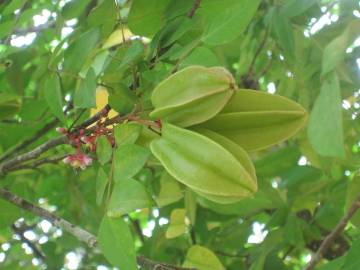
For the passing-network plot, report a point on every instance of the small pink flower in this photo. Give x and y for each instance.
(61, 130)
(78, 160)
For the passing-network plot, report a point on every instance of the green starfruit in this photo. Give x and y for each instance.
(192, 95)
(238, 152)
(256, 120)
(205, 166)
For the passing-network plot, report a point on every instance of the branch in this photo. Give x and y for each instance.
(94, 118)
(37, 163)
(36, 29)
(29, 141)
(35, 153)
(259, 49)
(195, 6)
(35, 137)
(34, 248)
(329, 239)
(79, 233)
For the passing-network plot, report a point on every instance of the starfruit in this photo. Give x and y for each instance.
(205, 166)
(256, 120)
(192, 95)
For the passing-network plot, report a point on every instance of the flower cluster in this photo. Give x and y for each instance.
(78, 138)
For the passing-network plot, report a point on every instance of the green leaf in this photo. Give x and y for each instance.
(293, 231)
(117, 243)
(334, 264)
(192, 95)
(127, 133)
(9, 213)
(335, 51)
(101, 182)
(325, 125)
(9, 105)
(201, 56)
(193, 159)
(202, 258)
(256, 120)
(190, 205)
(103, 149)
(294, 8)
(74, 9)
(225, 20)
(284, 32)
(170, 190)
(77, 53)
(129, 159)
(53, 97)
(122, 100)
(177, 224)
(353, 192)
(352, 261)
(127, 197)
(85, 96)
(145, 17)
(133, 54)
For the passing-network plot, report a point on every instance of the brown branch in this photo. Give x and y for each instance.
(35, 153)
(79, 233)
(94, 118)
(35, 137)
(195, 6)
(329, 239)
(20, 232)
(29, 141)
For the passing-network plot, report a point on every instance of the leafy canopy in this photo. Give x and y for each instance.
(206, 134)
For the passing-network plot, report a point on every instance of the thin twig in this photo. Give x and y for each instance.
(79, 233)
(329, 239)
(35, 153)
(37, 163)
(94, 118)
(258, 51)
(195, 6)
(29, 141)
(35, 137)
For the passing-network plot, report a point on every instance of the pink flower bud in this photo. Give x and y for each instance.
(61, 130)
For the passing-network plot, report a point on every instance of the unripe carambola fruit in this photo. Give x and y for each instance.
(256, 120)
(192, 95)
(205, 166)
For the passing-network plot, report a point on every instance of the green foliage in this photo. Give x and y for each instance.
(232, 141)
(116, 243)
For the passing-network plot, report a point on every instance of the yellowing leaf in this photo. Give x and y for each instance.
(177, 225)
(202, 258)
(117, 37)
(101, 101)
